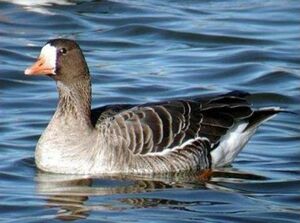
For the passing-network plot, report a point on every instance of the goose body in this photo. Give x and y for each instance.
(169, 136)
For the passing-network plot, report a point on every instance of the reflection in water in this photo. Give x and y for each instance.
(70, 193)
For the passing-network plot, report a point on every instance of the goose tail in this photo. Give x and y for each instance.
(237, 137)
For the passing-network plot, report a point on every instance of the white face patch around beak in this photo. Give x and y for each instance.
(49, 54)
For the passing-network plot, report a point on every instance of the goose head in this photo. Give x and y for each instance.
(62, 60)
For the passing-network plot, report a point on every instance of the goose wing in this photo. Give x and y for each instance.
(153, 129)
(98, 115)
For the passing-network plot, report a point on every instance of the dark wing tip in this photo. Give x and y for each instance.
(261, 115)
(238, 93)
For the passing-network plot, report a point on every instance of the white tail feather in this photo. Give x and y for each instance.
(231, 144)
(234, 141)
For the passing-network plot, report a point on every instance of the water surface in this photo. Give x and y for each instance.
(142, 51)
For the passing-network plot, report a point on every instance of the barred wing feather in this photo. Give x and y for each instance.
(156, 129)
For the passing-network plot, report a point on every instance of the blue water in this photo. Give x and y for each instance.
(141, 51)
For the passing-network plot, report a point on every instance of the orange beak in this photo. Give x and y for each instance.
(40, 67)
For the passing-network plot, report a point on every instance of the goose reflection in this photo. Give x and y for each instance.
(70, 193)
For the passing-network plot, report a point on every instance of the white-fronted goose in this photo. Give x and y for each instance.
(168, 136)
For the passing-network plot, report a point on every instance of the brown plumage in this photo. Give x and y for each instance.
(168, 136)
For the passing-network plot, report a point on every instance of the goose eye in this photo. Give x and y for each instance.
(63, 50)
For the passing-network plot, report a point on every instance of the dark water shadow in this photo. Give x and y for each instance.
(69, 194)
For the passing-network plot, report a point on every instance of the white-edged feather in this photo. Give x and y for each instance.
(183, 145)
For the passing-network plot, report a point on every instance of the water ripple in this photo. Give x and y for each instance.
(142, 51)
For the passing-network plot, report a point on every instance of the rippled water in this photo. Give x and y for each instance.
(141, 51)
